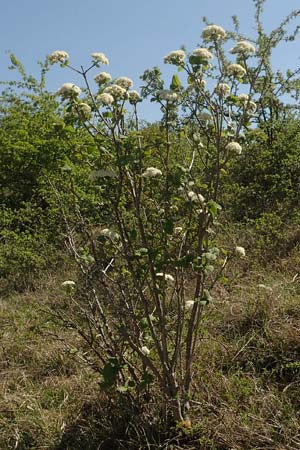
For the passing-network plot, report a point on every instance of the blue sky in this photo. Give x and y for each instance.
(134, 34)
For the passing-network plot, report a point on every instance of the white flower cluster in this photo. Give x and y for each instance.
(106, 232)
(165, 276)
(68, 90)
(145, 350)
(85, 109)
(248, 104)
(196, 198)
(124, 82)
(105, 99)
(100, 58)
(244, 98)
(202, 52)
(151, 172)
(176, 57)
(102, 77)
(189, 304)
(213, 32)
(68, 284)
(116, 91)
(167, 95)
(244, 48)
(236, 70)
(178, 230)
(234, 147)
(197, 139)
(240, 251)
(222, 89)
(134, 97)
(200, 83)
(58, 56)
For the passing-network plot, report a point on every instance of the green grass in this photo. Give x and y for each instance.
(247, 388)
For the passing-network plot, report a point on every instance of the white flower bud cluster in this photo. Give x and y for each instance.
(244, 48)
(236, 70)
(84, 108)
(195, 197)
(165, 276)
(213, 32)
(68, 90)
(118, 92)
(176, 58)
(240, 251)
(134, 97)
(234, 147)
(248, 104)
(58, 56)
(222, 89)
(202, 52)
(189, 304)
(68, 284)
(105, 99)
(102, 77)
(167, 95)
(106, 232)
(124, 82)
(145, 350)
(100, 58)
(151, 172)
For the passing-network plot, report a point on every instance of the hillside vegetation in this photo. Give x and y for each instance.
(149, 273)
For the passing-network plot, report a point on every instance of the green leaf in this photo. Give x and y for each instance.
(213, 208)
(147, 379)
(110, 373)
(175, 84)
(168, 226)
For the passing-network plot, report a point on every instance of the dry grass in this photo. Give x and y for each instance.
(247, 387)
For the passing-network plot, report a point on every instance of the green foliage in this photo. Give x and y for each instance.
(268, 177)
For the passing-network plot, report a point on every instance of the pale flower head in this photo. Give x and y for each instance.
(234, 147)
(168, 95)
(106, 232)
(102, 77)
(124, 82)
(251, 107)
(100, 58)
(68, 284)
(176, 58)
(151, 172)
(244, 98)
(165, 276)
(222, 89)
(203, 53)
(134, 97)
(244, 48)
(58, 56)
(68, 90)
(200, 83)
(116, 91)
(213, 33)
(236, 70)
(195, 198)
(105, 99)
(240, 251)
(84, 109)
(178, 230)
(189, 304)
(145, 350)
